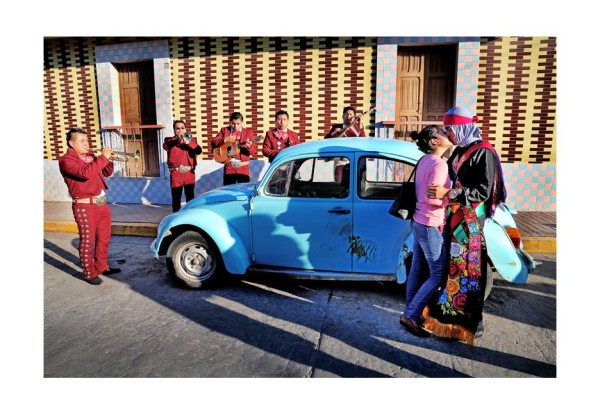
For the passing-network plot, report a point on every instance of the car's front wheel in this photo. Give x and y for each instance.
(193, 260)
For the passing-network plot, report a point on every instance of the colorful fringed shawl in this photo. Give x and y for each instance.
(458, 310)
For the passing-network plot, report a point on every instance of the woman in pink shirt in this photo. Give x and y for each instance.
(429, 265)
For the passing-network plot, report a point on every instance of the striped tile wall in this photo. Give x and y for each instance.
(70, 98)
(517, 98)
(313, 78)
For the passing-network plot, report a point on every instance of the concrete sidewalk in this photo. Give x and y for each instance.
(538, 229)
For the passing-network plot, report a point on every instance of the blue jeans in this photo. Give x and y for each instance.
(428, 270)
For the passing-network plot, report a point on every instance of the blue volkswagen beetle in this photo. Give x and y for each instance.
(319, 212)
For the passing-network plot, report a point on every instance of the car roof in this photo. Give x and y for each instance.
(388, 146)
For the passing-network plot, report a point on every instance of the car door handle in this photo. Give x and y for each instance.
(340, 211)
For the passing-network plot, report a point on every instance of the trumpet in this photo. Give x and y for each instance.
(136, 155)
(187, 136)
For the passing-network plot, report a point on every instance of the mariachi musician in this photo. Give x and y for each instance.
(84, 175)
(182, 150)
(279, 137)
(238, 169)
(351, 127)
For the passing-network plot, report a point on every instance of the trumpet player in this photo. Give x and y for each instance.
(84, 175)
(182, 150)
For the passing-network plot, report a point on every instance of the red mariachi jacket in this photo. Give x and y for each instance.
(85, 179)
(275, 142)
(354, 131)
(245, 153)
(181, 154)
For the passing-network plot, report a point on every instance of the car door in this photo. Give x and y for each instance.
(302, 215)
(380, 237)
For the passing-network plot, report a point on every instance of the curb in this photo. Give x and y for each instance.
(118, 228)
(539, 245)
(532, 245)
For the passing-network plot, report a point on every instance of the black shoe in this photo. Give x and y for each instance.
(421, 321)
(480, 329)
(413, 327)
(95, 281)
(111, 271)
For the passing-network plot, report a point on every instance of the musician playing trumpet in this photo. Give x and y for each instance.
(351, 127)
(84, 175)
(182, 150)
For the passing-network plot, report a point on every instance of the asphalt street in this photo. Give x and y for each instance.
(141, 323)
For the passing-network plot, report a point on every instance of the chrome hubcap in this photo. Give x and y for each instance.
(196, 260)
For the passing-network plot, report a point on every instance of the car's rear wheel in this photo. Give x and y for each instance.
(193, 260)
(489, 282)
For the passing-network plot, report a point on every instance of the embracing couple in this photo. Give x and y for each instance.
(446, 284)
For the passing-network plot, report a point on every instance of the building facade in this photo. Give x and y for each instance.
(126, 92)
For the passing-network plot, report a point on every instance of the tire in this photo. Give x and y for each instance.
(193, 260)
(489, 282)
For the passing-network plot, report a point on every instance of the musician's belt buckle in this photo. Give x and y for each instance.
(100, 200)
(184, 169)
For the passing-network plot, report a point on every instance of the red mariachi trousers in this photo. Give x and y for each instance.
(94, 224)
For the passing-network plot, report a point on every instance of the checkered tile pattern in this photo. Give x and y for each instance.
(467, 72)
(387, 53)
(531, 187)
(155, 190)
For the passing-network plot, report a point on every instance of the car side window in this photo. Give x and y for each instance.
(278, 184)
(381, 178)
(314, 177)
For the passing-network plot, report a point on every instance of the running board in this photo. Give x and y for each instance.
(319, 275)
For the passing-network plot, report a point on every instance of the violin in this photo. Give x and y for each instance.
(352, 124)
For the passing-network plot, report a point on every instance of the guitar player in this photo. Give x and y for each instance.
(238, 170)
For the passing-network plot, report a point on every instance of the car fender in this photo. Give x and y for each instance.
(405, 252)
(511, 263)
(233, 251)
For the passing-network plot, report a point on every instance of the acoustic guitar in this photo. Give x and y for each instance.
(230, 149)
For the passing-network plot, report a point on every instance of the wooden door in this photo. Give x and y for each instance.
(410, 83)
(425, 86)
(440, 73)
(136, 87)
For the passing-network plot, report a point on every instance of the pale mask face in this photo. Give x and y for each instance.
(451, 136)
